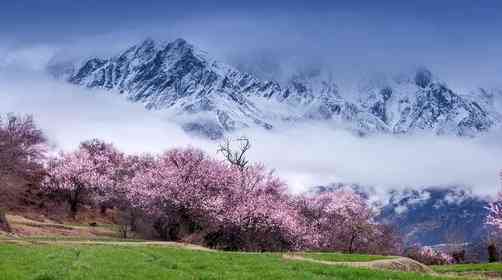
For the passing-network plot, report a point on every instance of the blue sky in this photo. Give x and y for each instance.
(458, 39)
(25, 18)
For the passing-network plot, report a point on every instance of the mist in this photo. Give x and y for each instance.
(304, 155)
(315, 154)
(69, 114)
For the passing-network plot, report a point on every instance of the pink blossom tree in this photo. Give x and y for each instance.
(429, 256)
(495, 213)
(260, 214)
(22, 146)
(88, 174)
(22, 151)
(184, 190)
(339, 219)
(494, 217)
(231, 205)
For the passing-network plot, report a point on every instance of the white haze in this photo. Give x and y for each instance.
(304, 155)
(69, 114)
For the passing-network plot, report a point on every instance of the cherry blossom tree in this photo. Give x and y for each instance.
(340, 219)
(22, 150)
(429, 256)
(494, 217)
(260, 214)
(184, 190)
(86, 175)
(22, 146)
(187, 195)
(187, 192)
(495, 213)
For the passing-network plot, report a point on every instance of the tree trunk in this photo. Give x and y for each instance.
(73, 208)
(4, 224)
(351, 243)
(73, 199)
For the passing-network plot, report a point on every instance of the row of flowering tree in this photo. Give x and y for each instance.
(232, 204)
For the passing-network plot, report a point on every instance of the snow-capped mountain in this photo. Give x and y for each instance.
(433, 216)
(211, 98)
(426, 216)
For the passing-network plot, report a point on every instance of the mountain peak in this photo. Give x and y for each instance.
(180, 42)
(148, 43)
(212, 97)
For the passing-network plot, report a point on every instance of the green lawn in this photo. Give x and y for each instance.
(338, 257)
(51, 262)
(484, 267)
(78, 238)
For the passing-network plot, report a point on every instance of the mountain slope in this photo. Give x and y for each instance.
(437, 215)
(211, 98)
(427, 216)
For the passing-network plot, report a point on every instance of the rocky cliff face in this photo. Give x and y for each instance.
(434, 216)
(211, 98)
(428, 216)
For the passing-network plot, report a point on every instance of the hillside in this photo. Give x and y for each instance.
(432, 216)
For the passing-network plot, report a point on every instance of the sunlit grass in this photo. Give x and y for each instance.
(338, 257)
(53, 262)
(484, 267)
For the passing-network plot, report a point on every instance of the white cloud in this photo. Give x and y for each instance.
(305, 155)
(31, 57)
(313, 154)
(70, 114)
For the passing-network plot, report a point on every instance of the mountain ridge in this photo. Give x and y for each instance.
(211, 98)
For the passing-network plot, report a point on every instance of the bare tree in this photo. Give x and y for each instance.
(236, 154)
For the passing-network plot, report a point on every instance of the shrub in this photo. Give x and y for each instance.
(493, 255)
(429, 256)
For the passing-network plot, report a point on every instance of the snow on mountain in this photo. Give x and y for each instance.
(435, 215)
(211, 98)
(427, 216)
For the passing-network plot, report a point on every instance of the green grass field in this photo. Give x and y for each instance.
(51, 262)
(337, 257)
(460, 268)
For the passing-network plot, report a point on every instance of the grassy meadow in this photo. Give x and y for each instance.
(53, 262)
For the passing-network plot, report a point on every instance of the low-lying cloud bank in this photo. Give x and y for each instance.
(315, 154)
(70, 114)
(305, 155)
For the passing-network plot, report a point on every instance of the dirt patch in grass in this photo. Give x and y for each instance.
(396, 264)
(125, 243)
(25, 227)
